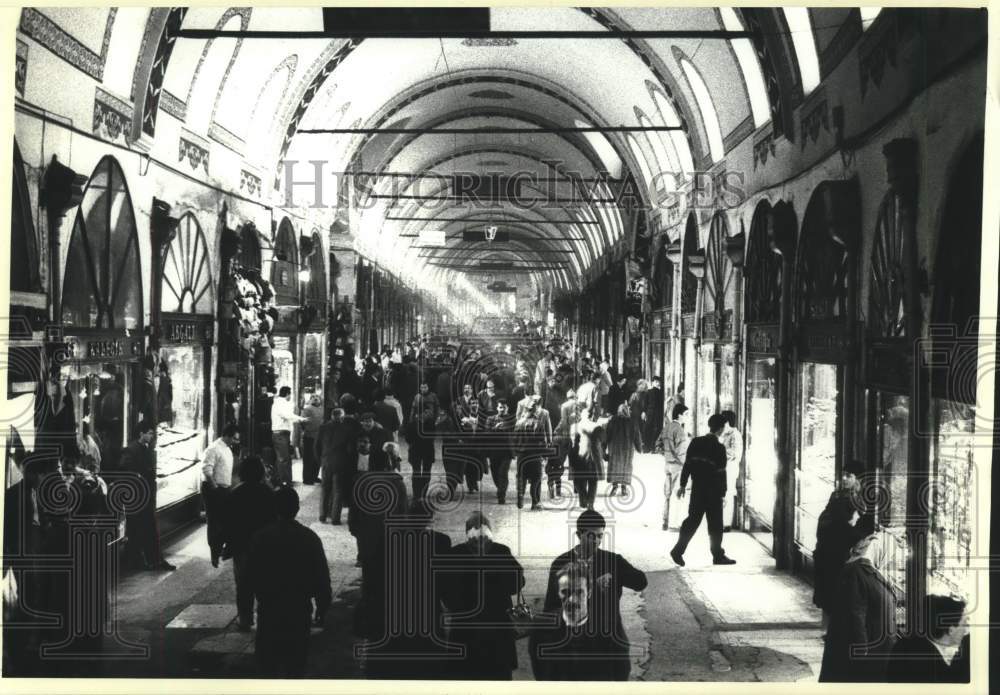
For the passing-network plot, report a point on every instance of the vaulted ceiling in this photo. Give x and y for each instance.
(258, 95)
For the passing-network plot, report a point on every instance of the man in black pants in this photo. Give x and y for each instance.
(420, 433)
(500, 431)
(706, 464)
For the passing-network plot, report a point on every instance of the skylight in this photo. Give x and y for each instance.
(708, 114)
(752, 75)
(805, 46)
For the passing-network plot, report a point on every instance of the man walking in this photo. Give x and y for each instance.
(217, 469)
(607, 574)
(673, 442)
(333, 443)
(500, 430)
(283, 419)
(705, 463)
(653, 416)
(287, 572)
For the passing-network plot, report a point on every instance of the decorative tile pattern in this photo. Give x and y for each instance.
(21, 67)
(196, 154)
(112, 116)
(763, 146)
(880, 45)
(815, 114)
(225, 137)
(61, 43)
(173, 105)
(249, 182)
(489, 42)
(154, 88)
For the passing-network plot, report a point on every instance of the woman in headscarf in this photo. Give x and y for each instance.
(862, 628)
(623, 441)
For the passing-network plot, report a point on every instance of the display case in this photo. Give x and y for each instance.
(761, 436)
(706, 387)
(816, 469)
(312, 366)
(891, 479)
(181, 433)
(952, 500)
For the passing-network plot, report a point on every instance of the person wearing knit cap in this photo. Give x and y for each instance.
(483, 576)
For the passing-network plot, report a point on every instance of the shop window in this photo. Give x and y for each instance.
(706, 387)
(24, 259)
(761, 438)
(103, 280)
(180, 435)
(187, 279)
(815, 474)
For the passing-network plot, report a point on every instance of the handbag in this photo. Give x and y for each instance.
(522, 617)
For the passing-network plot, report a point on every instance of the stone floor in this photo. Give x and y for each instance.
(746, 622)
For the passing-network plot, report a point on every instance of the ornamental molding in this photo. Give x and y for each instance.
(815, 114)
(226, 138)
(249, 182)
(112, 117)
(173, 105)
(764, 146)
(880, 45)
(57, 40)
(193, 148)
(21, 67)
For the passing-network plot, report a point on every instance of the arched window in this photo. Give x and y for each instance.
(821, 263)
(317, 272)
(676, 138)
(887, 296)
(103, 278)
(762, 303)
(689, 284)
(752, 75)
(187, 274)
(24, 261)
(285, 269)
(709, 116)
(647, 174)
(800, 26)
(718, 267)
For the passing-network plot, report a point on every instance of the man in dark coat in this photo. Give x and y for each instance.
(500, 438)
(250, 507)
(479, 592)
(837, 530)
(378, 434)
(653, 421)
(333, 447)
(607, 573)
(705, 463)
(941, 655)
(412, 584)
(385, 415)
(467, 416)
(139, 458)
(380, 494)
(287, 571)
(571, 641)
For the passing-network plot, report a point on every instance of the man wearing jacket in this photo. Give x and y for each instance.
(705, 463)
(500, 431)
(287, 572)
(607, 574)
(673, 442)
(333, 444)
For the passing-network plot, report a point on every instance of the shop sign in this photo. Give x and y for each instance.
(687, 325)
(826, 341)
(762, 339)
(181, 330)
(110, 349)
(890, 364)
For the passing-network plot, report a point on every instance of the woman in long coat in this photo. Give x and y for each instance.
(863, 621)
(624, 438)
(589, 455)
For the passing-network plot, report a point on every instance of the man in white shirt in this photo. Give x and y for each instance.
(217, 479)
(283, 419)
(733, 441)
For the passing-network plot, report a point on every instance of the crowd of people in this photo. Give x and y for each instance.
(556, 412)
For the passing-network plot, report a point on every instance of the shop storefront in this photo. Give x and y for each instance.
(285, 281)
(314, 322)
(765, 307)
(101, 312)
(717, 354)
(184, 381)
(956, 483)
(825, 351)
(692, 274)
(662, 316)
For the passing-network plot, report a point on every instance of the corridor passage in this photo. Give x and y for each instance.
(747, 622)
